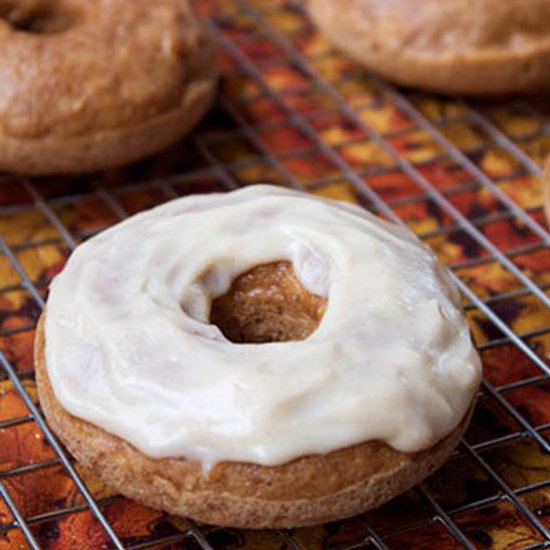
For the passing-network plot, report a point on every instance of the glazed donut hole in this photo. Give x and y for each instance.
(36, 17)
(267, 304)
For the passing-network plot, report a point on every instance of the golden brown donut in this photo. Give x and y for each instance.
(310, 490)
(467, 47)
(90, 84)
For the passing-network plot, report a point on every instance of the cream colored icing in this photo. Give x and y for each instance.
(130, 349)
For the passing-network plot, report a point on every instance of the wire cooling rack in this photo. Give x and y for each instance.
(464, 176)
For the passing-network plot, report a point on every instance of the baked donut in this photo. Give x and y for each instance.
(91, 84)
(467, 47)
(261, 358)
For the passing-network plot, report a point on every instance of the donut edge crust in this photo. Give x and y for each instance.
(488, 71)
(116, 147)
(311, 490)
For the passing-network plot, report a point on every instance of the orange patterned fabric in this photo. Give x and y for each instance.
(292, 111)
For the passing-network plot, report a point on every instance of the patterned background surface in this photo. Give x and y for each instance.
(463, 176)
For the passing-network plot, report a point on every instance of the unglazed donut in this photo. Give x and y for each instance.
(90, 84)
(470, 47)
(262, 358)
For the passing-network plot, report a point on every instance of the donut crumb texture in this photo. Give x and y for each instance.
(267, 304)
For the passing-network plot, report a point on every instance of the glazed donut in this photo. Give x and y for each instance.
(262, 358)
(470, 47)
(90, 84)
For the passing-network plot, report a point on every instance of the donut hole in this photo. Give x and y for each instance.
(36, 18)
(267, 304)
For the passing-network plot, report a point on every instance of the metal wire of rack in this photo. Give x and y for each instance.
(281, 26)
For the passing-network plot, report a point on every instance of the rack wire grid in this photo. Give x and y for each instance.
(463, 175)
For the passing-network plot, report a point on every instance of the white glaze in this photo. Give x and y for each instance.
(129, 347)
